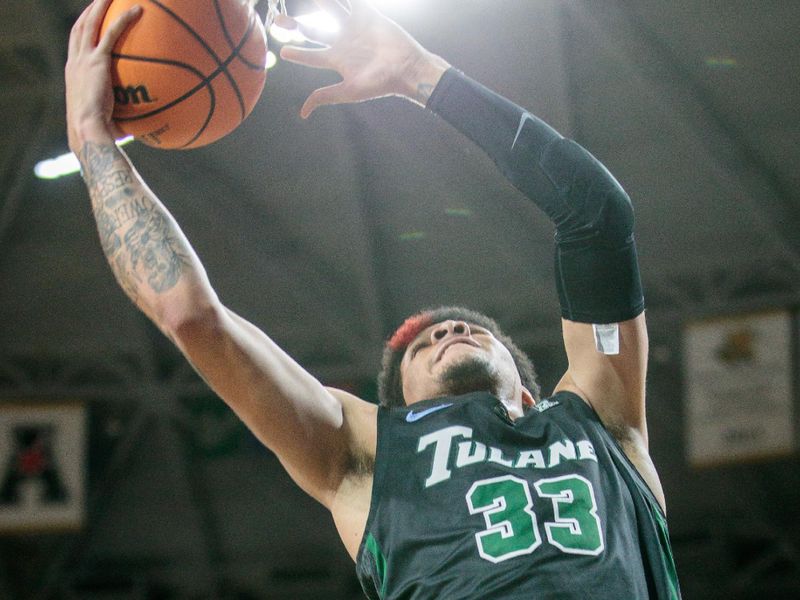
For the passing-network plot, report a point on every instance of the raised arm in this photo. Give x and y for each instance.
(597, 275)
(309, 428)
(596, 267)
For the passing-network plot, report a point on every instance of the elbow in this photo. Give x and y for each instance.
(183, 323)
(595, 202)
(617, 220)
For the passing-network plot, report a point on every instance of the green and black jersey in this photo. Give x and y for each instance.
(468, 504)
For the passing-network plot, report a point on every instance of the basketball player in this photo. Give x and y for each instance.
(464, 483)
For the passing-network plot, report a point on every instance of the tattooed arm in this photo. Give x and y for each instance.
(311, 429)
(315, 432)
(143, 245)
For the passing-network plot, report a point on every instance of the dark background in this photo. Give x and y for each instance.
(327, 233)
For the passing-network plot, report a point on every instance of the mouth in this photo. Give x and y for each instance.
(452, 342)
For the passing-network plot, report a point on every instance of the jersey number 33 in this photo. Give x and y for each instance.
(512, 528)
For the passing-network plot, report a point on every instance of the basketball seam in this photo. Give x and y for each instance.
(204, 81)
(250, 65)
(210, 50)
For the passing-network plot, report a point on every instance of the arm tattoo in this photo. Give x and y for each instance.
(152, 247)
(136, 233)
(96, 161)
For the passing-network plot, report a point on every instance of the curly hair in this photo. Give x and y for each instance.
(390, 382)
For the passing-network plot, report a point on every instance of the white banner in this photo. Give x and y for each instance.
(42, 466)
(738, 373)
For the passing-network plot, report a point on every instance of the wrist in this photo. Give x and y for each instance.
(90, 130)
(423, 76)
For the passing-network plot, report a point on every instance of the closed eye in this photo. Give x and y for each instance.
(417, 347)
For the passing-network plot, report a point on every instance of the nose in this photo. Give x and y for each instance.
(449, 328)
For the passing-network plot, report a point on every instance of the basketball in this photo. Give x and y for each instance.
(187, 72)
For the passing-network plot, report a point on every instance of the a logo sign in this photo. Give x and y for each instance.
(42, 466)
(31, 460)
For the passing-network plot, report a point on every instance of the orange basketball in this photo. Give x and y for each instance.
(187, 72)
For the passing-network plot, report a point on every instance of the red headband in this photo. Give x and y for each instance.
(410, 329)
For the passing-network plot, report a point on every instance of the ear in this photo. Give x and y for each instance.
(527, 398)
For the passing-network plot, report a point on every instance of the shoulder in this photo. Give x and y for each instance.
(360, 422)
(351, 503)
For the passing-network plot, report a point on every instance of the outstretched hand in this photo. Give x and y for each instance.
(87, 75)
(373, 55)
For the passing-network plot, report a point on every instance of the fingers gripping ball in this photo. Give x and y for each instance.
(187, 72)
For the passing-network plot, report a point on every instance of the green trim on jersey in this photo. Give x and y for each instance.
(669, 560)
(371, 544)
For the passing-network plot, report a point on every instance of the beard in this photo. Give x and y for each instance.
(473, 374)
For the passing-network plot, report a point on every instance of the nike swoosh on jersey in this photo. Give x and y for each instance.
(526, 116)
(412, 416)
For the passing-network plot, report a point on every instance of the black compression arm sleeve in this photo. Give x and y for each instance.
(597, 273)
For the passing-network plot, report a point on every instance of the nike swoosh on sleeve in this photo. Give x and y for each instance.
(526, 116)
(412, 416)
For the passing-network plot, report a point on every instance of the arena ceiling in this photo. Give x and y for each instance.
(328, 232)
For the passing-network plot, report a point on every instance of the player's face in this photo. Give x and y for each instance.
(454, 357)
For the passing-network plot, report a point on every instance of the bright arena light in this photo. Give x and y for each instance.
(53, 168)
(395, 5)
(319, 20)
(65, 164)
(285, 36)
(271, 59)
(326, 23)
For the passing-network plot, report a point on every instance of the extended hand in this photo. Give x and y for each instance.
(374, 56)
(90, 98)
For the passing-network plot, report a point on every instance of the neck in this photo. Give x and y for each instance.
(513, 408)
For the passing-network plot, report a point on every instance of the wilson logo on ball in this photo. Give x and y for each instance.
(132, 94)
(187, 72)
